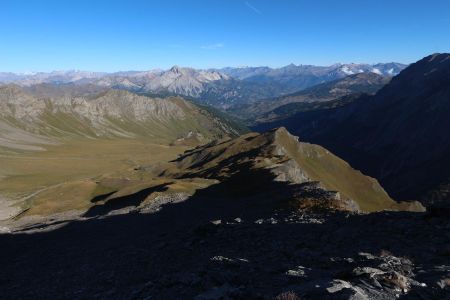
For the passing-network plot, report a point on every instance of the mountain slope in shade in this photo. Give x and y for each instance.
(194, 238)
(289, 161)
(284, 106)
(399, 136)
(27, 121)
(265, 172)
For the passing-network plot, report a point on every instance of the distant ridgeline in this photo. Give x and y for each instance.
(399, 136)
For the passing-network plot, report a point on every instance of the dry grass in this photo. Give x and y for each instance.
(65, 176)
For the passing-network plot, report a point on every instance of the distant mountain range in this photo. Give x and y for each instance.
(300, 77)
(284, 106)
(400, 135)
(221, 88)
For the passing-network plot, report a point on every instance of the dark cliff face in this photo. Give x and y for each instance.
(400, 135)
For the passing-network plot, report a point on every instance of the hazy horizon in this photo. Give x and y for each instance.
(31, 72)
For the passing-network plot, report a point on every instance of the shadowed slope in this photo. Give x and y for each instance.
(290, 161)
(177, 253)
(400, 135)
(285, 106)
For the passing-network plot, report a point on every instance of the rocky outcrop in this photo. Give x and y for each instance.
(113, 113)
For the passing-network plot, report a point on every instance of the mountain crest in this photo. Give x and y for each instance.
(281, 156)
(108, 114)
(176, 69)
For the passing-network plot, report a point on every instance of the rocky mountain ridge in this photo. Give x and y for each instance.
(221, 88)
(398, 135)
(296, 163)
(111, 113)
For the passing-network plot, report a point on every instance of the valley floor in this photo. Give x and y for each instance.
(63, 177)
(215, 247)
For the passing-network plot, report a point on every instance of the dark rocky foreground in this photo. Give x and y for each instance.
(231, 248)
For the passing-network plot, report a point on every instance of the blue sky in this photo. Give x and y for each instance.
(139, 35)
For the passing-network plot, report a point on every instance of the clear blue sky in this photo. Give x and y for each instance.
(139, 35)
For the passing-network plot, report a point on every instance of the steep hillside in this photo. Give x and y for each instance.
(26, 120)
(399, 136)
(283, 106)
(289, 161)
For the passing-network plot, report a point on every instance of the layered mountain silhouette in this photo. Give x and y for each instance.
(287, 105)
(222, 88)
(301, 77)
(400, 135)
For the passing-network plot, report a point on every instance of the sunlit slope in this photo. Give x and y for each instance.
(54, 148)
(29, 123)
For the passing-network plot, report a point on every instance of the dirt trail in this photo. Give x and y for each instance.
(7, 208)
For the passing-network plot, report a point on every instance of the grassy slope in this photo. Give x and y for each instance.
(315, 161)
(337, 175)
(70, 170)
(65, 175)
